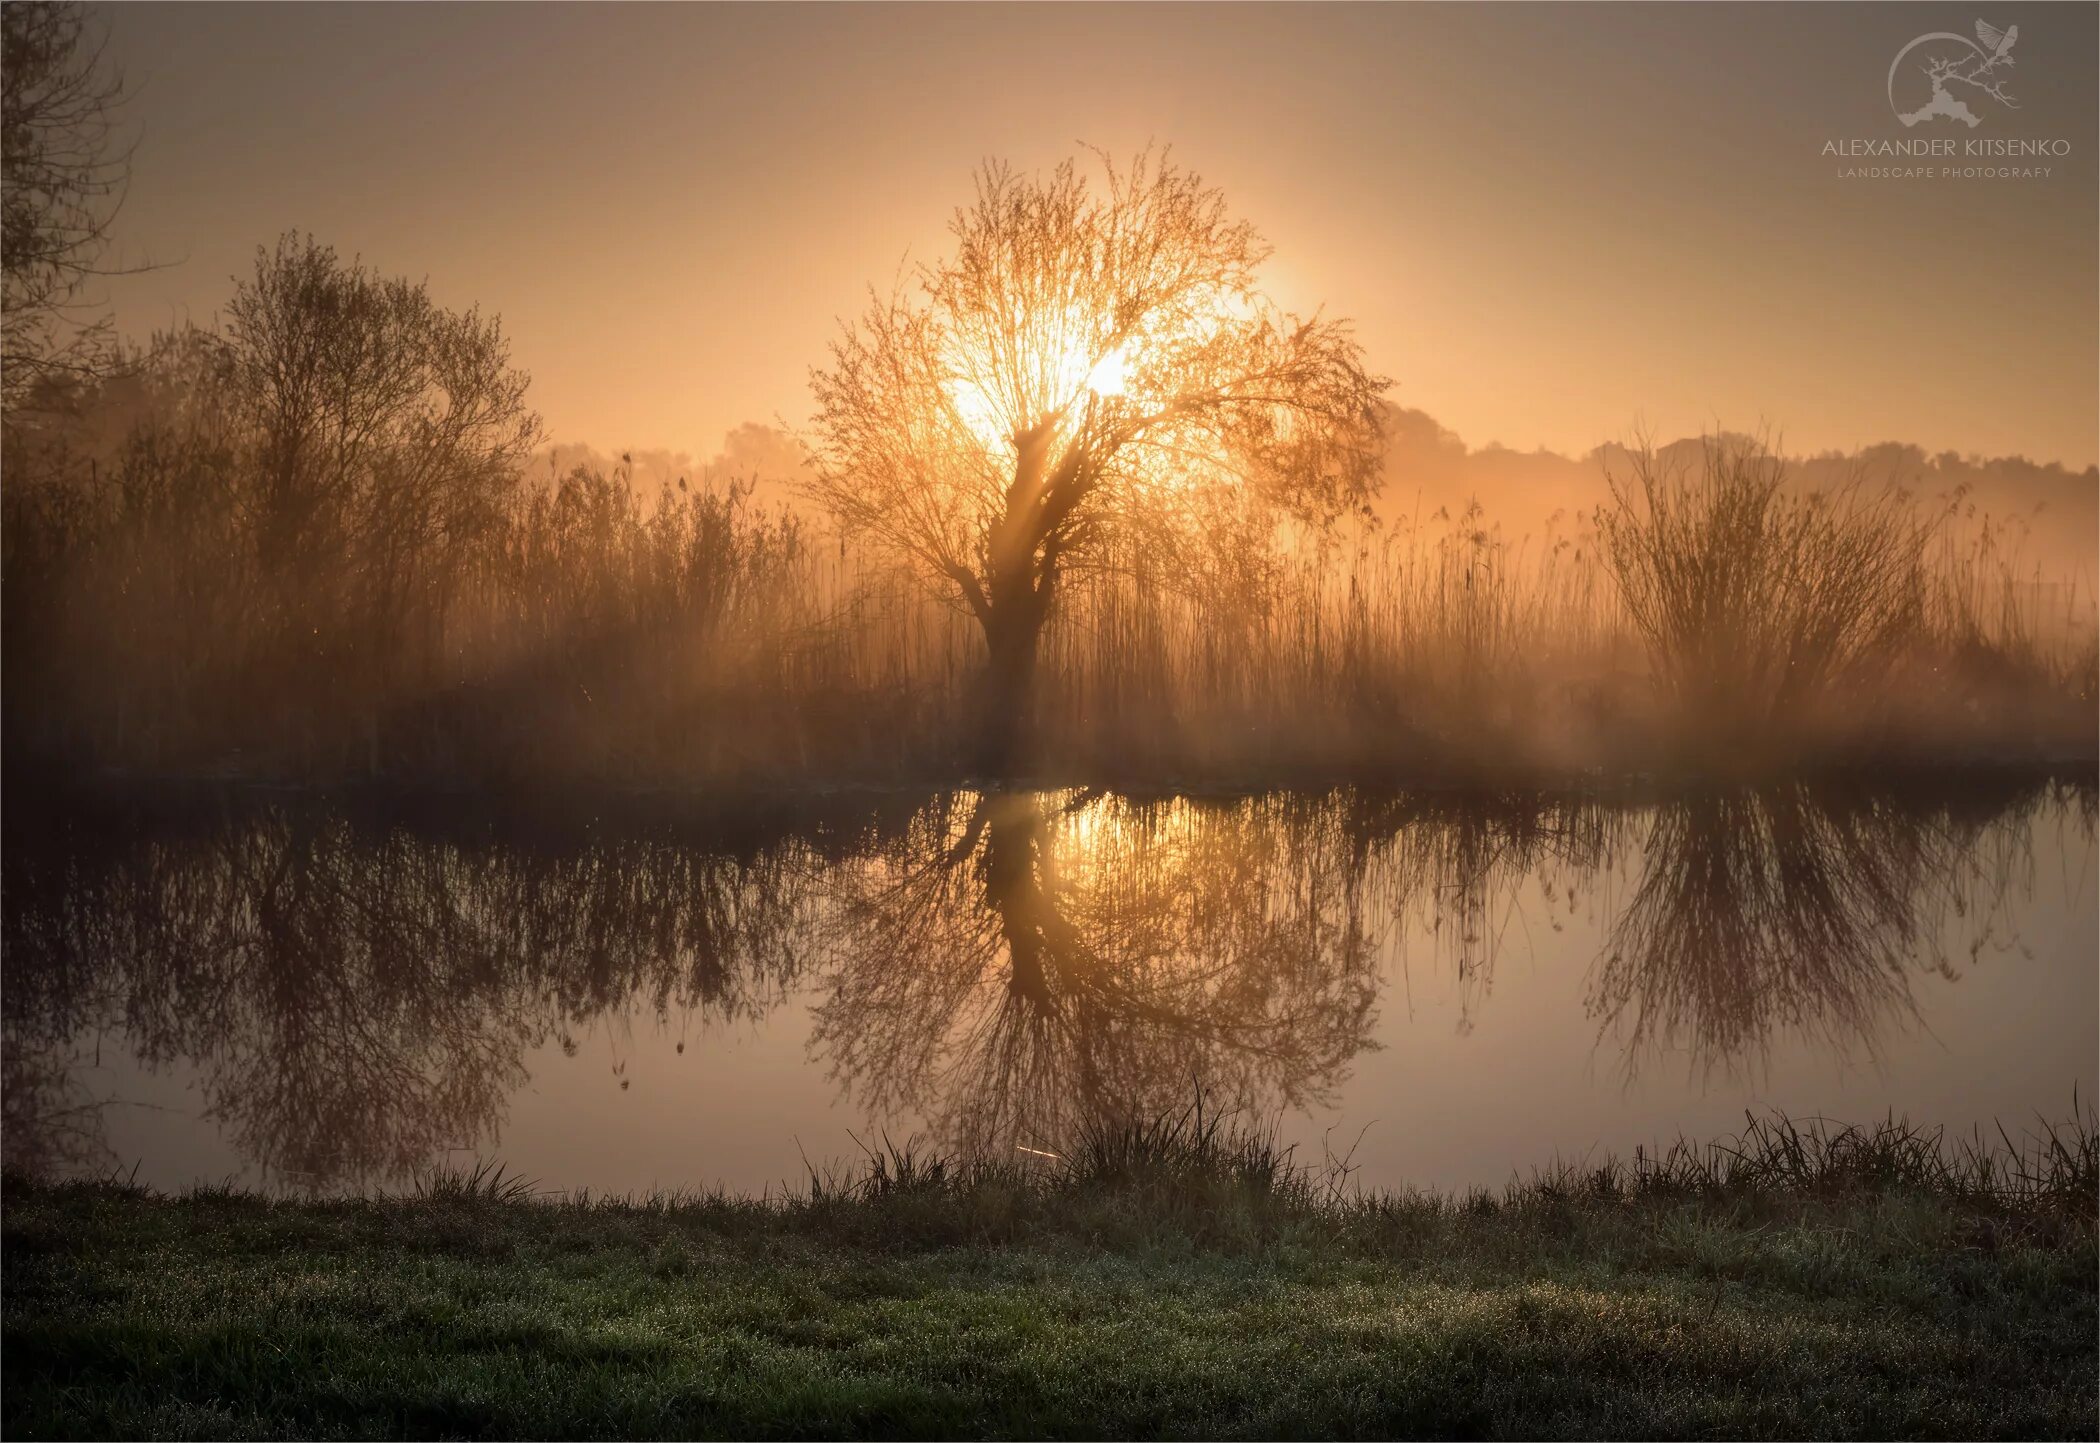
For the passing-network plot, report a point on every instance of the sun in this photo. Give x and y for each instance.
(1074, 376)
(1110, 375)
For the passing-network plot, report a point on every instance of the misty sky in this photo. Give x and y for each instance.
(1550, 223)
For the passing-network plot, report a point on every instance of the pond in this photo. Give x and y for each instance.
(300, 993)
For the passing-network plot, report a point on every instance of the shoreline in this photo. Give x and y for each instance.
(35, 791)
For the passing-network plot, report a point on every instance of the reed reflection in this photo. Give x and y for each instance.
(1463, 877)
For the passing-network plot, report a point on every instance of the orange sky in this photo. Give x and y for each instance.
(1550, 223)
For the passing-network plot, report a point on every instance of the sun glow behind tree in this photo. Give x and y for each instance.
(1086, 367)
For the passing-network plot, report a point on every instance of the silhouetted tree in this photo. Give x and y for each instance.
(63, 171)
(1764, 607)
(1090, 364)
(383, 435)
(380, 416)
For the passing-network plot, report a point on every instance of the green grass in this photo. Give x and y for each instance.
(1182, 1279)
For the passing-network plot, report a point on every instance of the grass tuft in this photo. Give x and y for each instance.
(485, 1181)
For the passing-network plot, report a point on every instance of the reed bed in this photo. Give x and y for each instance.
(1204, 1163)
(1217, 1174)
(569, 628)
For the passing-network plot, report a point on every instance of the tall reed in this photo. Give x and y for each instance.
(573, 627)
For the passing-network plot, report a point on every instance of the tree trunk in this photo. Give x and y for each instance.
(1013, 878)
(1014, 605)
(1006, 702)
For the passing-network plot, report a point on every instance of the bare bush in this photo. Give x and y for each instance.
(1761, 606)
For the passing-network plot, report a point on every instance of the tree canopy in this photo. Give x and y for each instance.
(1092, 361)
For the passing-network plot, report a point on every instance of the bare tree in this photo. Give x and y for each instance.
(376, 410)
(63, 171)
(387, 434)
(1089, 365)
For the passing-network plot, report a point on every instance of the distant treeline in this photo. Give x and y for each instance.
(314, 545)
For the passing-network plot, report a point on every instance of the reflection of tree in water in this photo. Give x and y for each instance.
(354, 999)
(1777, 912)
(357, 1001)
(1017, 965)
(50, 1122)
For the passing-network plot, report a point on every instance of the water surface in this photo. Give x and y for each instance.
(303, 994)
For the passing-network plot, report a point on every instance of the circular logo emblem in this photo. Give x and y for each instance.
(1944, 76)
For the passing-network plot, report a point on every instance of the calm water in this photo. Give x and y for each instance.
(298, 996)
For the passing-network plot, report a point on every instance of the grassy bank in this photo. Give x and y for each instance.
(1176, 1280)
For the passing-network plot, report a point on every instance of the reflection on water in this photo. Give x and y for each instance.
(1018, 964)
(354, 1003)
(344, 1001)
(1774, 911)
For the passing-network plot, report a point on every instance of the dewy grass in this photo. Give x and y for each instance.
(1179, 1276)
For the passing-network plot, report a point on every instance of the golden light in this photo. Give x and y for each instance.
(1073, 376)
(1048, 365)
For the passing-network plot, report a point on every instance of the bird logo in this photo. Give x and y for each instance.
(1997, 44)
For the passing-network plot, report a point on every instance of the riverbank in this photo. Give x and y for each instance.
(1176, 1280)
